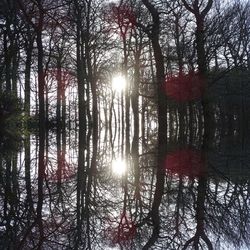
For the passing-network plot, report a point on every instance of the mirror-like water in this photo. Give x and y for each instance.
(100, 195)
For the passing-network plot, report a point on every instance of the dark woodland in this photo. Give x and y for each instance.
(124, 124)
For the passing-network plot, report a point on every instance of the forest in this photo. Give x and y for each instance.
(124, 124)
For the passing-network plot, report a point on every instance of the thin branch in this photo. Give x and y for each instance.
(207, 8)
(187, 6)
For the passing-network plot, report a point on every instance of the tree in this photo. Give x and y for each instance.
(200, 10)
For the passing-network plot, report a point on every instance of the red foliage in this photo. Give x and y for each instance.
(186, 162)
(185, 88)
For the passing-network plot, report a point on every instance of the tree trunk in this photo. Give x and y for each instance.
(7, 61)
(201, 57)
(162, 102)
(29, 49)
(162, 120)
(41, 80)
(135, 94)
(59, 95)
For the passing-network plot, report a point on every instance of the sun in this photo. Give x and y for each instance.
(118, 83)
(119, 166)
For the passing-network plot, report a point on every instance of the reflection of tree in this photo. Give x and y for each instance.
(147, 208)
(154, 213)
(84, 231)
(200, 218)
(9, 201)
(122, 230)
(228, 189)
(215, 204)
(230, 214)
(156, 210)
(35, 213)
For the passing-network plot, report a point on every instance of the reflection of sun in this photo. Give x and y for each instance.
(119, 166)
(118, 83)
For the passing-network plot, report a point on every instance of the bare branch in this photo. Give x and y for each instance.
(207, 8)
(187, 6)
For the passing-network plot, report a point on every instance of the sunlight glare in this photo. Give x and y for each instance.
(119, 166)
(118, 83)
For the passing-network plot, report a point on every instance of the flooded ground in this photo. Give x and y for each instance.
(110, 193)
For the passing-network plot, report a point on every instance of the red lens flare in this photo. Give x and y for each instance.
(184, 88)
(185, 162)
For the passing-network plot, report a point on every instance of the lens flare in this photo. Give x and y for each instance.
(118, 83)
(119, 166)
